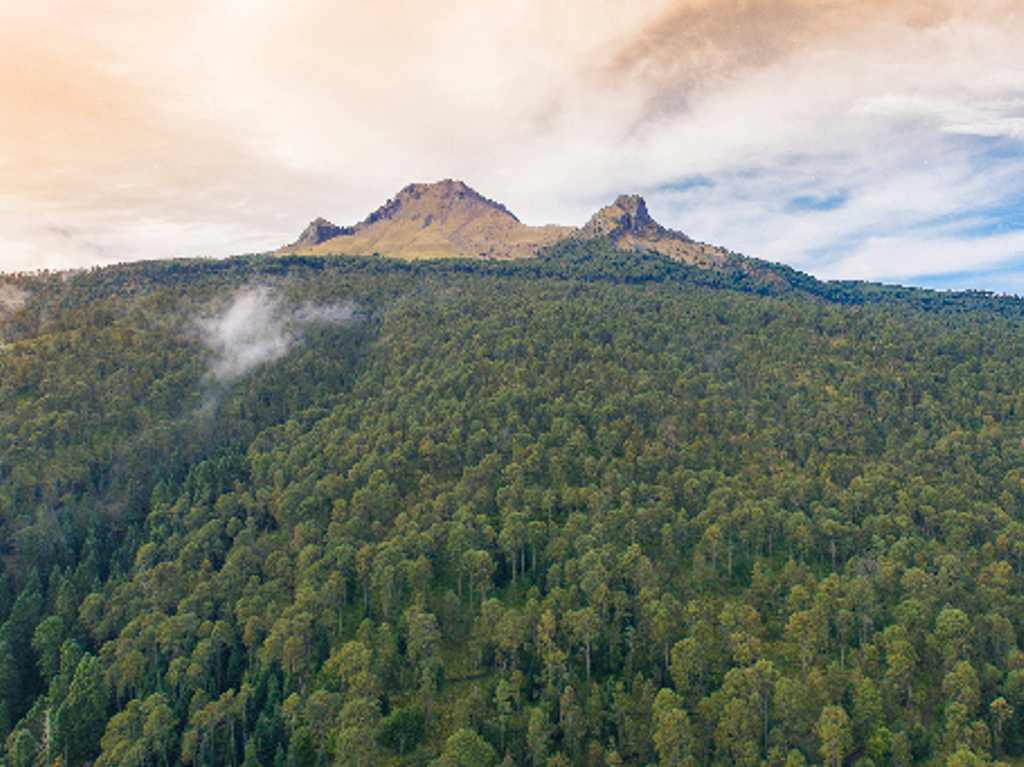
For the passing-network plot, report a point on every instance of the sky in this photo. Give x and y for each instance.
(853, 139)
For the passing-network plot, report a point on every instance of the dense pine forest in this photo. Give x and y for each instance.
(589, 509)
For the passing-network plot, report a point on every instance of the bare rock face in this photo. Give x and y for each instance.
(319, 230)
(627, 217)
(439, 201)
(628, 225)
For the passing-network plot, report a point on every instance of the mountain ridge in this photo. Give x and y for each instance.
(443, 219)
(450, 219)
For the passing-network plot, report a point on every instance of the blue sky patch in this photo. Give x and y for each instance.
(806, 202)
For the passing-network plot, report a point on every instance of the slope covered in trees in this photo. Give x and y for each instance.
(598, 508)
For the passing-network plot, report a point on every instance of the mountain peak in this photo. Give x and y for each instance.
(437, 201)
(634, 205)
(450, 219)
(441, 219)
(318, 230)
(627, 216)
(444, 188)
(628, 225)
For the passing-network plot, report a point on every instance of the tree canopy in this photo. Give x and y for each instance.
(591, 509)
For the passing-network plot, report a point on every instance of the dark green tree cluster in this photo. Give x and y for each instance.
(594, 509)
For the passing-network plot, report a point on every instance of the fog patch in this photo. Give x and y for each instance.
(12, 298)
(259, 327)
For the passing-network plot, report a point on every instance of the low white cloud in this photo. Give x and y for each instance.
(12, 298)
(998, 127)
(902, 257)
(259, 327)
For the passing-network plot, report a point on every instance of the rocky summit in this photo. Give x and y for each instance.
(626, 216)
(319, 230)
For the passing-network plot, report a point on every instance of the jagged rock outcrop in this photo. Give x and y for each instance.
(319, 230)
(626, 217)
(629, 226)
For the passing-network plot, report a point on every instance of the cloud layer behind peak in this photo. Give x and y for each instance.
(878, 139)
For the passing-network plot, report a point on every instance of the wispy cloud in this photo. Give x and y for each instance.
(896, 218)
(259, 327)
(12, 298)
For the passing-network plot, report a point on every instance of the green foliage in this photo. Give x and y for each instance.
(464, 748)
(402, 730)
(81, 716)
(592, 508)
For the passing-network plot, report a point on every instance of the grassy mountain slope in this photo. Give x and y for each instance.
(442, 220)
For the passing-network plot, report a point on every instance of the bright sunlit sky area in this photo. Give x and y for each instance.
(861, 139)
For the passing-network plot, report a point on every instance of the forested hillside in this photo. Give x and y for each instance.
(595, 508)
